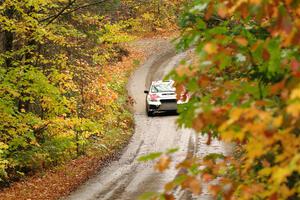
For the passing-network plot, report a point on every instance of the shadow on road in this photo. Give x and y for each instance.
(165, 114)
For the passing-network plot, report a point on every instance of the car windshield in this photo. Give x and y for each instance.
(163, 87)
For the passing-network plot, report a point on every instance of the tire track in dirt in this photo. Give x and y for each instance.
(126, 178)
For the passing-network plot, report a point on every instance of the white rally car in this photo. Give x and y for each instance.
(161, 97)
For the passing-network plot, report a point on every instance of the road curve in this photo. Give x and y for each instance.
(127, 178)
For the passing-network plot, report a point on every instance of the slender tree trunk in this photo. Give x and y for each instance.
(8, 38)
(77, 142)
(159, 5)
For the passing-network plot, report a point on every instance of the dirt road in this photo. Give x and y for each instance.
(127, 178)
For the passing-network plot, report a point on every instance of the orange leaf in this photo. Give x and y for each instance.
(210, 48)
(180, 70)
(222, 11)
(288, 2)
(244, 10)
(256, 2)
(163, 163)
(207, 177)
(185, 164)
(295, 65)
(260, 103)
(169, 197)
(266, 54)
(204, 81)
(192, 184)
(215, 189)
(241, 41)
(209, 11)
(198, 123)
(277, 87)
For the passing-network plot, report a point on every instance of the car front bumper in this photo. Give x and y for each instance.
(162, 106)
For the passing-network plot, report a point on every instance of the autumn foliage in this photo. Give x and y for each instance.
(61, 94)
(245, 90)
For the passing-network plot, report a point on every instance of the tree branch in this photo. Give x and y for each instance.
(54, 17)
(64, 10)
(84, 6)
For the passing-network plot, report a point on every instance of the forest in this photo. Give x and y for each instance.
(62, 97)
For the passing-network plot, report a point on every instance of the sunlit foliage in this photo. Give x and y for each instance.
(244, 89)
(59, 92)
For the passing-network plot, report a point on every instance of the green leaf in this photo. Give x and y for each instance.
(148, 196)
(150, 156)
(214, 156)
(171, 151)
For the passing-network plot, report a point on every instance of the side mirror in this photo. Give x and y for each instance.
(146, 91)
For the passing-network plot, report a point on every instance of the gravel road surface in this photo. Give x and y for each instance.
(127, 178)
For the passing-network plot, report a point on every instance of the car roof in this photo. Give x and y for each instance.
(160, 82)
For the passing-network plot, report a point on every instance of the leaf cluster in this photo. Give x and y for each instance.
(244, 88)
(61, 93)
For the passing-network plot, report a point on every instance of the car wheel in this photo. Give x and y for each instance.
(150, 113)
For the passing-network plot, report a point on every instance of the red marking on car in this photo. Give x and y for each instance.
(153, 97)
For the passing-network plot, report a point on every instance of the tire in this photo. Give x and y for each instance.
(150, 113)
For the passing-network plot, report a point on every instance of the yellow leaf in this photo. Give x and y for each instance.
(170, 186)
(279, 174)
(293, 109)
(3, 145)
(255, 149)
(231, 135)
(210, 48)
(278, 121)
(295, 93)
(265, 171)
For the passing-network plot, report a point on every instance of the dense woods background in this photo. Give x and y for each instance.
(60, 97)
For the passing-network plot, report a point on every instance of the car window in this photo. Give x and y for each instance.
(164, 87)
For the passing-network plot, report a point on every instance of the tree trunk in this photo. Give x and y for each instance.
(8, 37)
